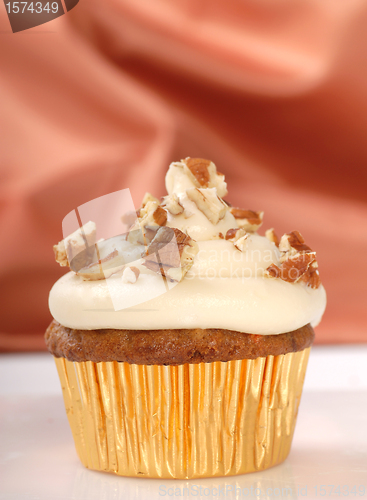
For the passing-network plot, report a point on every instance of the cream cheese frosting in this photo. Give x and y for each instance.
(225, 288)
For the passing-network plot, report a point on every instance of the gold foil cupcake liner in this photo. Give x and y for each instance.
(188, 421)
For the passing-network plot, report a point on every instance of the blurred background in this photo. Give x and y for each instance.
(105, 97)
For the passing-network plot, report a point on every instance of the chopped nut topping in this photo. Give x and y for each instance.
(293, 268)
(293, 243)
(199, 169)
(152, 216)
(250, 215)
(172, 204)
(248, 220)
(203, 174)
(312, 276)
(60, 254)
(130, 274)
(171, 253)
(298, 261)
(238, 237)
(148, 197)
(102, 269)
(241, 243)
(77, 249)
(271, 235)
(160, 216)
(231, 233)
(208, 202)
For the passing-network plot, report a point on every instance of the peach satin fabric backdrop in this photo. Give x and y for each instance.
(105, 97)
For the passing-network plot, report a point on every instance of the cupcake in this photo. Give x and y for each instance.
(182, 344)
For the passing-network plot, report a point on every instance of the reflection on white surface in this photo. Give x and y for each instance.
(328, 458)
(105, 486)
(335, 368)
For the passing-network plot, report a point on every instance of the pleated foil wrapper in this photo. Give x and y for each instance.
(188, 421)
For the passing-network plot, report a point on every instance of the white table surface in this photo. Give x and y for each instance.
(328, 457)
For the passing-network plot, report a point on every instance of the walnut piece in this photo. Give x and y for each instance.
(248, 220)
(103, 268)
(203, 174)
(208, 202)
(130, 275)
(171, 253)
(77, 249)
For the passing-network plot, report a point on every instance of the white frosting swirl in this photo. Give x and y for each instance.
(225, 288)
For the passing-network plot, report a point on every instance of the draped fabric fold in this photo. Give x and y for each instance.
(103, 98)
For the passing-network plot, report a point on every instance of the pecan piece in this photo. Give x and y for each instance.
(171, 253)
(298, 261)
(293, 269)
(293, 243)
(199, 169)
(203, 174)
(148, 197)
(151, 217)
(102, 269)
(77, 249)
(271, 235)
(248, 220)
(312, 276)
(238, 237)
(160, 216)
(172, 204)
(130, 275)
(208, 202)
